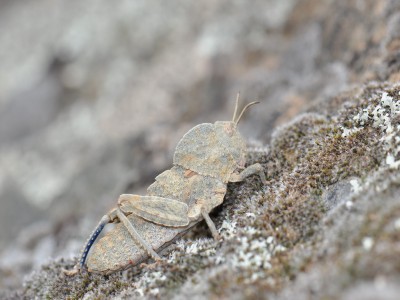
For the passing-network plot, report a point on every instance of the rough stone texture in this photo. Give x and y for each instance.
(96, 106)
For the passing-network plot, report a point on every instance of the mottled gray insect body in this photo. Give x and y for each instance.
(115, 251)
(206, 159)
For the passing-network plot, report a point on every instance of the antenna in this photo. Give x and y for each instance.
(236, 106)
(244, 109)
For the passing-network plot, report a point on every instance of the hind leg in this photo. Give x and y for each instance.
(113, 216)
(136, 236)
(108, 218)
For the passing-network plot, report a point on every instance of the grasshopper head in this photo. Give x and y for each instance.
(215, 150)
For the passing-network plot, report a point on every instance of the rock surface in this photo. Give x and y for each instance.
(102, 107)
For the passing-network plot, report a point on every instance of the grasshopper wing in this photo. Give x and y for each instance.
(159, 210)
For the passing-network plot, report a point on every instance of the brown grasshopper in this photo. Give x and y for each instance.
(205, 160)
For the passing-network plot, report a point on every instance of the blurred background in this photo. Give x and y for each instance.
(95, 95)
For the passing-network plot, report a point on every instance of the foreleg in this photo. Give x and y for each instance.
(211, 225)
(250, 170)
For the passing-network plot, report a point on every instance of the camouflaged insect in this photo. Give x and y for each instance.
(205, 160)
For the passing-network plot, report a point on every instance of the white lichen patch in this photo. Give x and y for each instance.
(355, 186)
(252, 252)
(228, 229)
(383, 116)
(368, 243)
(362, 117)
(346, 132)
(393, 105)
(349, 204)
(391, 162)
(380, 115)
(253, 256)
(149, 282)
(204, 247)
(397, 224)
(390, 146)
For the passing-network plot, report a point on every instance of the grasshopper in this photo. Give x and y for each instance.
(205, 160)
